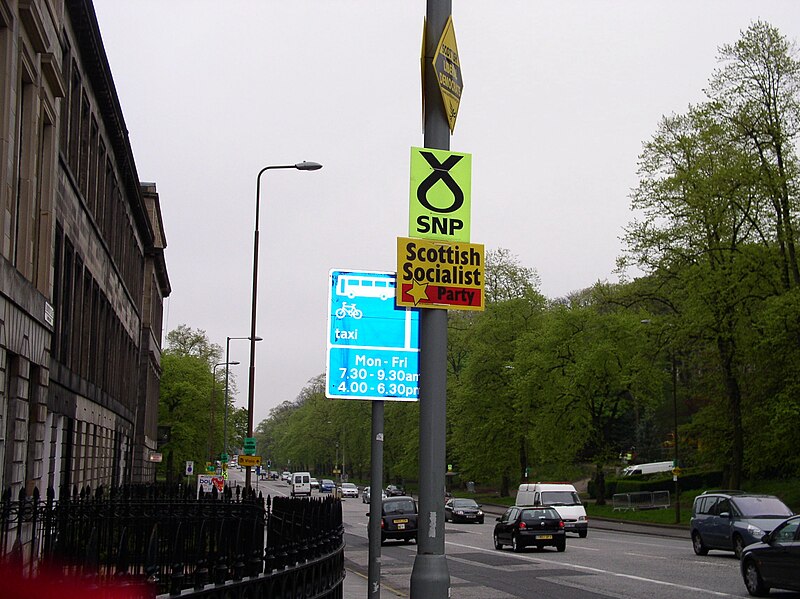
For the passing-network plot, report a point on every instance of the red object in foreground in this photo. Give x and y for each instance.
(56, 584)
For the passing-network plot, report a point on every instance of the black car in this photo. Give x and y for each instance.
(775, 561)
(398, 519)
(523, 527)
(462, 510)
(394, 491)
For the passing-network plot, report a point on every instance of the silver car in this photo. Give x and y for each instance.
(732, 520)
(349, 490)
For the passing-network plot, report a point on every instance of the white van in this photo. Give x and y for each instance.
(561, 496)
(301, 483)
(648, 468)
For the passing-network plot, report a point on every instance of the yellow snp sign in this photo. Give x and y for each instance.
(447, 67)
(249, 460)
(439, 274)
(440, 197)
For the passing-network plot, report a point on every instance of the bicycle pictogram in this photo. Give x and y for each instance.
(349, 310)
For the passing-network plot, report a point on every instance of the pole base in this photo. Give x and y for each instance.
(430, 577)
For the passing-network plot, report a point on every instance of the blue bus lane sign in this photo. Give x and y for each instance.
(373, 346)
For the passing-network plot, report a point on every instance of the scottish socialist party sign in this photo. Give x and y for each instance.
(438, 274)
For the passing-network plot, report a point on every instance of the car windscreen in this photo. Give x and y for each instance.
(399, 507)
(465, 503)
(762, 507)
(560, 498)
(534, 515)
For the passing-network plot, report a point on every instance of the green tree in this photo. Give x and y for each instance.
(757, 90)
(486, 437)
(583, 377)
(188, 398)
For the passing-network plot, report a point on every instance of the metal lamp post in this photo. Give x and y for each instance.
(674, 373)
(211, 404)
(227, 357)
(673, 367)
(301, 166)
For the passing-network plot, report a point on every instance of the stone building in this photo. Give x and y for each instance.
(82, 270)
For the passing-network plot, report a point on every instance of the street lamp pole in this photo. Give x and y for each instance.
(301, 166)
(674, 373)
(673, 367)
(211, 404)
(227, 357)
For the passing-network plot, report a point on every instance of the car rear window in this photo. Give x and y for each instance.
(534, 515)
(762, 507)
(405, 505)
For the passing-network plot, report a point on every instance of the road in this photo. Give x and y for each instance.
(608, 563)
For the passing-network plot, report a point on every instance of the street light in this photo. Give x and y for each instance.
(227, 357)
(211, 403)
(301, 166)
(674, 380)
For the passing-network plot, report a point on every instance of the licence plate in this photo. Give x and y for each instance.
(470, 515)
(543, 537)
(401, 527)
(401, 521)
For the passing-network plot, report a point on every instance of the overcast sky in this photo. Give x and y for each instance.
(558, 98)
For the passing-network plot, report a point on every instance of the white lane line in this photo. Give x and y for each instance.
(539, 559)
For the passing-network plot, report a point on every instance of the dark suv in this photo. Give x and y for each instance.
(399, 519)
(732, 520)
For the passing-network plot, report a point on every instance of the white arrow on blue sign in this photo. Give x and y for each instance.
(373, 347)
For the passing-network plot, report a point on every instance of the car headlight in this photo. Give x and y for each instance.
(480, 512)
(460, 512)
(755, 531)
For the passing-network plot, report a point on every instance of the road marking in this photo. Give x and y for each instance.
(540, 559)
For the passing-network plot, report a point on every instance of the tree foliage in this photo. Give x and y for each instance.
(191, 402)
(708, 335)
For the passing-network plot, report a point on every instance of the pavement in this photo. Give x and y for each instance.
(355, 582)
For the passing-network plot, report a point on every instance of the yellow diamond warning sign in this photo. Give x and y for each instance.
(448, 72)
(439, 274)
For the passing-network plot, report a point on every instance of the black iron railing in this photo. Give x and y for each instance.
(165, 541)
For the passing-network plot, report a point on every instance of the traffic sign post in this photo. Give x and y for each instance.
(430, 576)
(373, 347)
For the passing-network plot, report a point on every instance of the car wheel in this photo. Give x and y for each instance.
(561, 546)
(516, 546)
(698, 545)
(582, 533)
(753, 581)
(497, 544)
(738, 546)
(480, 521)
